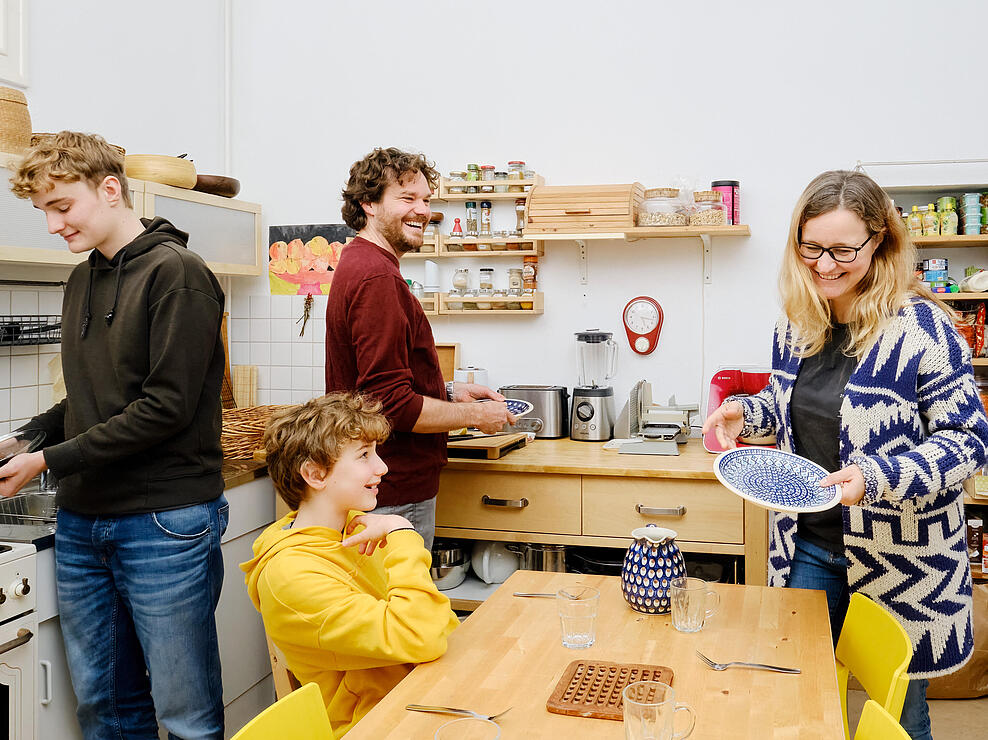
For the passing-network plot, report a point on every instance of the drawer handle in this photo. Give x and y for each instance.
(24, 636)
(656, 511)
(511, 503)
(576, 211)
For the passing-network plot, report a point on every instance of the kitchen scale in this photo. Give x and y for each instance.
(648, 428)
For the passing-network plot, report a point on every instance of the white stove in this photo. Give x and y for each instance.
(18, 641)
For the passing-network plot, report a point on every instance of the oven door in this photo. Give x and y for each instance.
(18, 661)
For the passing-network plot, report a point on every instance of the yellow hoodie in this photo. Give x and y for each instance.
(349, 622)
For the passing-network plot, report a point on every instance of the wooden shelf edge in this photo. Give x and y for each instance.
(960, 240)
(645, 232)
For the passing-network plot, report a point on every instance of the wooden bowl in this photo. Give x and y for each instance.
(227, 187)
(174, 171)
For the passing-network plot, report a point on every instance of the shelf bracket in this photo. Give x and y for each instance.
(707, 258)
(584, 269)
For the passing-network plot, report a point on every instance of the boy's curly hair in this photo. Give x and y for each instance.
(69, 156)
(317, 431)
(372, 174)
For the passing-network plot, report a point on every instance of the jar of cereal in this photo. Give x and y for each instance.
(662, 207)
(708, 209)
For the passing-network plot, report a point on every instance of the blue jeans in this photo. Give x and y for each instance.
(817, 568)
(136, 600)
(422, 516)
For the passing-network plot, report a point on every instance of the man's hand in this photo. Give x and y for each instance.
(851, 482)
(19, 471)
(377, 527)
(491, 416)
(727, 421)
(465, 392)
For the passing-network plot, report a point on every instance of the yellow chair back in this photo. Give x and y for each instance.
(300, 716)
(876, 650)
(877, 724)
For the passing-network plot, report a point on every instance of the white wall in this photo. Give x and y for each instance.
(768, 93)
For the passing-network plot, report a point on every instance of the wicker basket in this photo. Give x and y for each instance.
(38, 138)
(15, 121)
(243, 430)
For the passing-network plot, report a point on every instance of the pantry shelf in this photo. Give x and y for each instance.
(652, 232)
(961, 240)
(980, 361)
(963, 296)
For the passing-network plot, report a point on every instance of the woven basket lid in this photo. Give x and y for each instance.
(15, 121)
(12, 95)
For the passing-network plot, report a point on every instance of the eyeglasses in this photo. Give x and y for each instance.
(837, 254)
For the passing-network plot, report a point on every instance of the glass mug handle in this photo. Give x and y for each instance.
(712, 609)
(612, 371)
(689, 730)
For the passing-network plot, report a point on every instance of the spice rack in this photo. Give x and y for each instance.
(445, 183)
(537, 300)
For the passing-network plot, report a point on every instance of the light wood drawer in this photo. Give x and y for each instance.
(541, 502)
(612, 507)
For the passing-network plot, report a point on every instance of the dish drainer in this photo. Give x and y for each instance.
(30, 329)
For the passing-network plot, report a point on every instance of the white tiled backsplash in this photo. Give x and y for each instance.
(263, 331)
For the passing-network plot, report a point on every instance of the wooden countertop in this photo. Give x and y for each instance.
(590, 458)
(238, 472)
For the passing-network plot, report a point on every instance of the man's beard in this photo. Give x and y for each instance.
(395, 234)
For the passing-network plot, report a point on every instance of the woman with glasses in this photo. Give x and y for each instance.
(871, 381)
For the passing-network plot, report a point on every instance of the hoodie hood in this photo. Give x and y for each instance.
(156, 231)
(280, 536)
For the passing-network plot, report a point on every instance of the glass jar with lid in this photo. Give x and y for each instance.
(461, 279)
(517, 165)
(487, 178)
(527, 299)
(708, 209)
(514, 299)
(457, 181)
(473, 224)
(451, 300)
(662, 207)
(487, 278)
(500, 182)
(473, 175)
(515, 279)
(485, 218)
(520, 215)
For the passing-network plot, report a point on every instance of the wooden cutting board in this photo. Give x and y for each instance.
(489, 448)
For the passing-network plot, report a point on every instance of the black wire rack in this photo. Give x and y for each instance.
(35, 329)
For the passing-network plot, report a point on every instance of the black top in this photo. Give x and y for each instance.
(815, 414)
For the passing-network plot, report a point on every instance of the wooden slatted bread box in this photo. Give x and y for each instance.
(562, 209)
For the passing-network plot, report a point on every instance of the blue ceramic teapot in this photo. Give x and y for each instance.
(650, 565)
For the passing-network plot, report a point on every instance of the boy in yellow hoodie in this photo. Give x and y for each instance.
(346, 595)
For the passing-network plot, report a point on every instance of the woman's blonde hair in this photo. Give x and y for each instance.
(891, 278)
(317, 431)
(69, 156)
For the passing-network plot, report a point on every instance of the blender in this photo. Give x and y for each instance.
(592, 417)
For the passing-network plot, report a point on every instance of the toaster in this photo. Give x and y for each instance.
(550, 403)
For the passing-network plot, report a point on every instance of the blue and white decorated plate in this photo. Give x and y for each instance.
(518, 408)
(775, 479)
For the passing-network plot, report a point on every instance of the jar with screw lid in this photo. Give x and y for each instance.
(520, 204)
(500, 182)
(662, 207)
(485, 218)
(487, 178)
(708, 209)
(457, 181)
(473, 176)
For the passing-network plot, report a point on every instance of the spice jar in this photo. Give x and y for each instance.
(457, 181)
(500, 182)
(487, 178)
(661, 207)
(472, 223)
(527, 302)
(485, 218)
(708, 209)
(461, 279)
(514, 299)
(517, 165)
(530, 272)
(483, 246)
(473, 175)
(515, 278)
(451, 303)
(487, 278)
(520, 215)
(512, 176)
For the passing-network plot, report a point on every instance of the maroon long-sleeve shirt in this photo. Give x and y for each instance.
(379, 342)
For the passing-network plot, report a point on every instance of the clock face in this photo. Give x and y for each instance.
(641, 317)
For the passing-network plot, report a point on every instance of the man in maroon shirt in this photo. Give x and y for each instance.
(379, 342)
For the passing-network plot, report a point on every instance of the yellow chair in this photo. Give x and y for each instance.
(874, 647)
(300, 716)
(877, 724)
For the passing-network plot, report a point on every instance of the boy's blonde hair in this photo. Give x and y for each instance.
(317, 431)
(69, 156)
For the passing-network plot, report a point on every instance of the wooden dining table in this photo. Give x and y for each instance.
(508, 653)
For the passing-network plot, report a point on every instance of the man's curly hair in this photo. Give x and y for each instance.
(372, 174)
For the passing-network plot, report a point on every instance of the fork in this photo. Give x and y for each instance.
(455, 711)
(761, 666)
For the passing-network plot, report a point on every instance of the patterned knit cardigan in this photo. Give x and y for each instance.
(911, 419)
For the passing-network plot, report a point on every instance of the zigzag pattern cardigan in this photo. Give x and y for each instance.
(911, 419)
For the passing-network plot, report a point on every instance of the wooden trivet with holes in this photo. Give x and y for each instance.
(592, 688)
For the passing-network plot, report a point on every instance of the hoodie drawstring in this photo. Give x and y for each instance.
(89, 302)
(116, 295)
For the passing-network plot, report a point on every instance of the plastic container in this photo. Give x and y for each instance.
(915, 222)
(948, 221)
(662, 207)
(931, 222)
(730, 195)
(708, 209)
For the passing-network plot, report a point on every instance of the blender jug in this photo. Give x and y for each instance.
(596, 358)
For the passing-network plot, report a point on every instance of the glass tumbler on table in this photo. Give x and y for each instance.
(692, 603)
(577, 608)
(650, 710)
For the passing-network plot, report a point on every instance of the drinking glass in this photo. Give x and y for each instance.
(577, 607)
(468, 728)
(691, 603)
(650, 711)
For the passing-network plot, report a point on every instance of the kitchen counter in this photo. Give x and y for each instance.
(560, 491)
(238, 472)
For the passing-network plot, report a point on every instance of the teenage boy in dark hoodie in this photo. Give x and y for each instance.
(135, 446)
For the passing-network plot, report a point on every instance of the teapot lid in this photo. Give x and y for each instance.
(655, 535)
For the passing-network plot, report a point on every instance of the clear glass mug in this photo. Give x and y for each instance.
(650, 711)
(691, 603)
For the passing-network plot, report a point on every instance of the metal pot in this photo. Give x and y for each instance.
(535, 556)
(449, 564)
